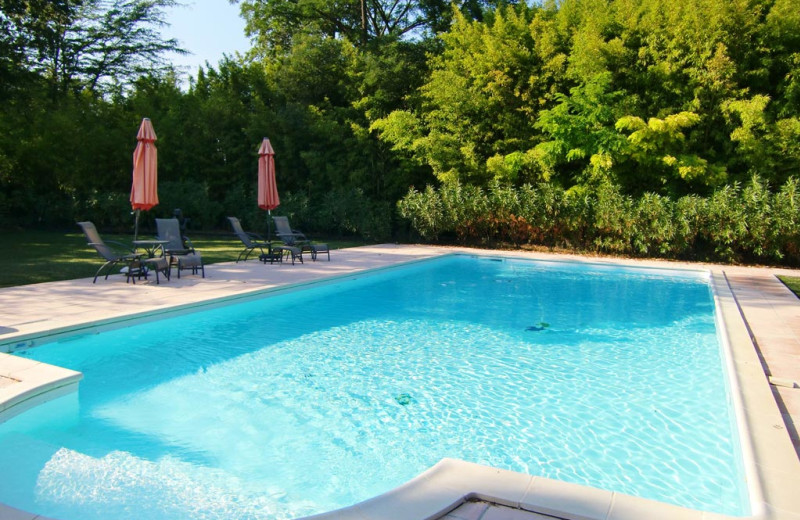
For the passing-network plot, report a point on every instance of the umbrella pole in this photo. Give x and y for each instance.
(136, 226)
(269, 225)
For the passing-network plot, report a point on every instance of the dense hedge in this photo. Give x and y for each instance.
(341, 212)
(749, 223)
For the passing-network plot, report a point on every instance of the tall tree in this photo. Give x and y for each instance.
(86, 43)
(274, 23)
(477, 105)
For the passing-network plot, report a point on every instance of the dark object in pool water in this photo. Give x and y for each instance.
(538, 327)
(403, 399)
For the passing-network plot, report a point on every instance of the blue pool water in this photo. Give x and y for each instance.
(316, 399)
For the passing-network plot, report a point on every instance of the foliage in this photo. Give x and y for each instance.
(734, 224)
(643, 127)
(92, 44)
(476, 105)
(580, 131)
(276, 23)
(654, 95)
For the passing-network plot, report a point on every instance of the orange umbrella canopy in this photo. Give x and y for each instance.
(144, 191)
(267, 188)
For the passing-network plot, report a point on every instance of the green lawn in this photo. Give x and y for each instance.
(792, 283)
(45, 256)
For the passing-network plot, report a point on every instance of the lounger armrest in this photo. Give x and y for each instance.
(255, 236)
(188, 244)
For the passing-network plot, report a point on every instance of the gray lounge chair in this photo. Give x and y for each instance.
(251, 241)
(294, 238)
(114, 253)
(179, 248)
(289, 236)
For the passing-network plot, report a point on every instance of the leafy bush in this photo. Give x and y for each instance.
(193, 200)
(655, 226)
(733, 224)
(346, 211)
(688, 221)
(614, 219)
(424, 211)
(108, 210)
(342, 211)
(786, 226)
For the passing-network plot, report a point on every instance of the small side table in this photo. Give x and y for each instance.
(151, 246)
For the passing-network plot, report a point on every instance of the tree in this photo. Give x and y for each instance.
(90, 44)
(476, 108)
(275, 23)
(581, 141)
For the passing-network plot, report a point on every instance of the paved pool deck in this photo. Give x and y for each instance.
(762, 315)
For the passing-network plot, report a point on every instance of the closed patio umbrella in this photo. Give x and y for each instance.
(267, 188)
(144, 191)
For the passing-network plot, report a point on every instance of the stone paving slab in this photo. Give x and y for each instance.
(772, 314)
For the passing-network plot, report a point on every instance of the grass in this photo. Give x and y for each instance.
(792, 283)
(28, 257)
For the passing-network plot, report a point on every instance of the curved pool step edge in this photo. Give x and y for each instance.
(26, 384)
(11, 513)
(451, 482)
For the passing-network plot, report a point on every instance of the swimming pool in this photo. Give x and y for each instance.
(313, 400)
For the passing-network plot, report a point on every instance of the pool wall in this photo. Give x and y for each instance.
(770, 460)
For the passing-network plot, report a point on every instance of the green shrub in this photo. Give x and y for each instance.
(655, 226)
(689, 218)
(193, 200)
(733, 224)
(465, 211)
(108, 210)
(725, 225)
(614, 219)
(543, 208)
(347, 211)
(756, 209)
(578, 224)
(242, 203)
(425, 212)
(786, 225)
(297, 207)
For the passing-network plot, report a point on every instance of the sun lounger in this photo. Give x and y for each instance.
(251, 241)
(294, 238)
(179, 248)
(114, 253)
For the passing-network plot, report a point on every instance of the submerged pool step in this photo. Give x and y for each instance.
(32, 383)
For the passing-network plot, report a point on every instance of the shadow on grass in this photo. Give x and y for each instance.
(28, 257)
